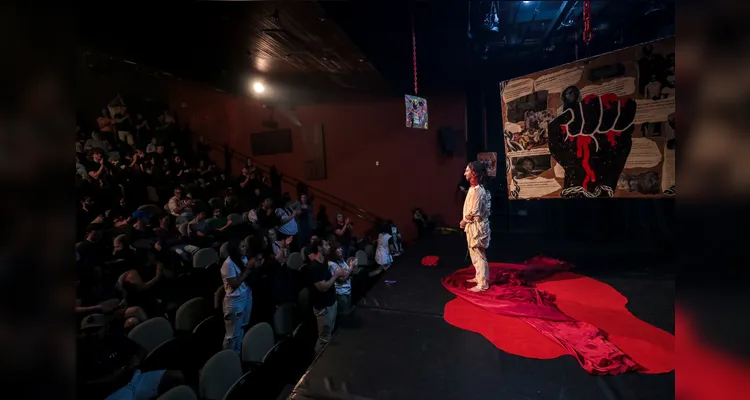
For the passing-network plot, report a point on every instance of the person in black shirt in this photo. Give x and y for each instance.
(322, 292)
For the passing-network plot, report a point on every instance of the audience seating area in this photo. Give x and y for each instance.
(154, 221)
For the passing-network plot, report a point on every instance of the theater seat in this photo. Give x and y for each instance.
(219, 374)
(181, 392)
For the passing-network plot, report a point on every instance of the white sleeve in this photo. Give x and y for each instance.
(228, 269)
(172, 206)
(471, 206)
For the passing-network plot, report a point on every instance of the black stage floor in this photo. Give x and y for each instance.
(397, 345)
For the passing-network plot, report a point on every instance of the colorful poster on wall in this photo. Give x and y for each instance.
(490, 160)
(597, 128)
(416, 112)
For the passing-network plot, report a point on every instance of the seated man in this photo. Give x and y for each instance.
(200, 231)
(169, 240)
(180, 207)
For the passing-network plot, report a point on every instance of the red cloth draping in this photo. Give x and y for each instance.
(512, 293)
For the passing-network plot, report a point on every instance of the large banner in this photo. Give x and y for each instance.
(600, 127)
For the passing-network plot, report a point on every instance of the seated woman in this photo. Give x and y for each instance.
(383, 252)
(344, 283)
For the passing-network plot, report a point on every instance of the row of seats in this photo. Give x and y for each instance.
(270, 356)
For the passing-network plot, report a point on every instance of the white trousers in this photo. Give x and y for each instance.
(479, 260)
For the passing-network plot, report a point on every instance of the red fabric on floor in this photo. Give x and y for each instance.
(572, 310)
(707, 372)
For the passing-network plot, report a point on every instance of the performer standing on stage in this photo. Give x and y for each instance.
(476, 223)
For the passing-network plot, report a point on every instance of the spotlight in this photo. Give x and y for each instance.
(258, 87)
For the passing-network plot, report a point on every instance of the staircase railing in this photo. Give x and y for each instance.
(316, 194)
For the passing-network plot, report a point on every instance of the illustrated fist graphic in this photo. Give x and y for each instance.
(591, 140)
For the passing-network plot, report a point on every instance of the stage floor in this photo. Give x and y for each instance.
(397, 345)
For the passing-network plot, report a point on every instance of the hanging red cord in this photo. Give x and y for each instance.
(587, 33)
(414, 53)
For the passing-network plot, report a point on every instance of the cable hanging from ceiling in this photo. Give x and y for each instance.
(588, 33)
(414, 54)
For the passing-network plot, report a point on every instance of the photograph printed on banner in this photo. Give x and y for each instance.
(656, 81)
(528, 118)
(644, 183)
(531, 166)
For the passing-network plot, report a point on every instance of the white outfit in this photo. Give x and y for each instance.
(383, 252)
(478, 204)
(238, 304)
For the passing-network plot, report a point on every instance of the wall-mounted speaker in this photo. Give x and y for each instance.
(447, 141)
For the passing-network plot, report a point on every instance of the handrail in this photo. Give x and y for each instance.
(328, 197)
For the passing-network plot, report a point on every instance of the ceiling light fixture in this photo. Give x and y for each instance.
(258, 87)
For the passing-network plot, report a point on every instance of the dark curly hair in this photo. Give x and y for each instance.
(480, 170)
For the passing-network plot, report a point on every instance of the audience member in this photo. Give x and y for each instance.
(238, 297)
(343, 283)
(383, 256)
(322, 292)
(343, 231)
(126, 260)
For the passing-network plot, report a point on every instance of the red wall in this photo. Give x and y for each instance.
(411, 171)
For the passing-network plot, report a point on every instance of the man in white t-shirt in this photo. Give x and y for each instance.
(180, 207)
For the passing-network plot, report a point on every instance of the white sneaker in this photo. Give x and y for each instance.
(477, 289)
(472, 280)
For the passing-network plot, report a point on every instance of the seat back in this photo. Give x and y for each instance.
(362, 259)
(224, 251)
(191, 313)
(152, 194)
(215, 203)
(303, 301)
(257, 342)
(236, 219)
(183, 228)
(295, 261)
(285, 319)
(204, 258)
(181, 392)
(219, 374)
(370, 251)
(151, 333)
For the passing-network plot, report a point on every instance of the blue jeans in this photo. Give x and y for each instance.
(326, 319)
(236, 317)
(143, 386)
